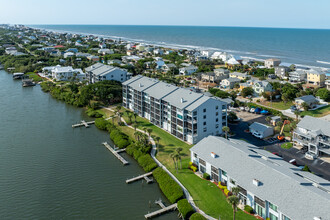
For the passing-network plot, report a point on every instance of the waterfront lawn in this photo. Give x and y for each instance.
(318, 112)
(207, 196)
(34, 76)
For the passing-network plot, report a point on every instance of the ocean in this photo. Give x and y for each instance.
(304, 47)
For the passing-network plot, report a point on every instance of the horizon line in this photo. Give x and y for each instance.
(169, 25)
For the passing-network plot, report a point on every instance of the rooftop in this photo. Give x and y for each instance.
(315, 124)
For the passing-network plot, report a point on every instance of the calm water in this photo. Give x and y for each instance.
(300, 46)
(50, 171)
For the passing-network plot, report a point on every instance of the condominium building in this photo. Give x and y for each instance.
(274, 188)
(314, 134)
(185, 114)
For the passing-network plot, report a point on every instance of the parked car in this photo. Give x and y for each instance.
(310, 156)
(277, 154)
(241, 108)
(256, 134)
(293, 162)
(252, 110)
(247, 109)
(293, 108)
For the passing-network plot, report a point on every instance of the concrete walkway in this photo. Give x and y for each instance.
(153, 155)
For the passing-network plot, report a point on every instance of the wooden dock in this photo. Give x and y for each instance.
(125, 162)
(162, 210)
(143, 176)
(83, 123)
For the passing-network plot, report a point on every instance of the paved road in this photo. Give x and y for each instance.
(317, 166)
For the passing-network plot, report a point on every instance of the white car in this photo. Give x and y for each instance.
(252, 110)
(247, 109)
(310, 156)
(241, 108)
(256, 134)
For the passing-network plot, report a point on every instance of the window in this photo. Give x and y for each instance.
(204, 123)
(217, 119)
(204, 110)
(204, 117)
(195, 155)
(273, 207)
(216, 126)
(202, 162)
(217, 113)
(217, 107)
(285, 218)
(195, 113)
(224, 173)
(272, 217)
(204, 130)
(111, 76)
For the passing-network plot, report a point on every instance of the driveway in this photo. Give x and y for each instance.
(317, 166)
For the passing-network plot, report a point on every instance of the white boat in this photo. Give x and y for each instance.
(18, 75)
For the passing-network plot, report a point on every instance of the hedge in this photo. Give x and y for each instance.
(147, 163)
(169, 187)
(206, 176)
(185, 208)
(101, 123)
(120, 139)
(197, 216)
(248, 209)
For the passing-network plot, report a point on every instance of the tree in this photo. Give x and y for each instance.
(135, 125)
(120, 114)
(149, 131)
(233, 201)
(297, 113)
(135, 115)
(324, 94)
(118, 108)
(235, 191)
(137, 135)
(129, 115)
(268, 119)
(173, 156)
(305, 106)
(247, 91)
(226, 130)
(178, 151)
(157, 139)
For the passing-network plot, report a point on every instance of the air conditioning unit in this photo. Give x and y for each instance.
(256, 182)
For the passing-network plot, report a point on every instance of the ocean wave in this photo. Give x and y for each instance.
(323, 62)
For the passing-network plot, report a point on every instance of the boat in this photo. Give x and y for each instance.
(27, 82)
(18, 75)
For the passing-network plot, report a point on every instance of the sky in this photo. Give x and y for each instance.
(245, 13)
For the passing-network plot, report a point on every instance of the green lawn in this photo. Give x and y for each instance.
(287, 145)
(34, 76)
(278, 105)
(318, 112)
(207, 196)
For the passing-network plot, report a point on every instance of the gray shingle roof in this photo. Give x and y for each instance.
(127, 82)
(315, 124)
(160, 90)
(307, 98)
(259, 127)
(283, 184)
(143, 83)
(188, 98)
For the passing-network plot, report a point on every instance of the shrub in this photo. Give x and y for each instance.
(248, 209)
(197, 216)
(226, 191)
(147, 162)
(101, 123)
(193, 168)
(169, 187)
(206, 176)
(185, 208)
(137, 153)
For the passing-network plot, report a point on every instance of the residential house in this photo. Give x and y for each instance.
(238, 75)
(158, 51)
(105, 51)
(298, 76)
(100, 72)
(216, 76)
(185, 114)
(221, 56)
(93, 58)
(316, 77)
(115, 61)
(128, 59)
(168, 67)
(229, 83)
(66, 73)
(233, 62)
(281, 71)
(261, 130)
(310, 100)
(327, 83)
(73, 50)
(188, 70)
(313, 134)
(11, 50)
(271, 63)
(273, 187)
(68, 54)
(262, 86)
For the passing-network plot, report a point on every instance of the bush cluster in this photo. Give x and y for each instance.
(206, 176)
(197, 216)
(185, 208)
(120, 139)
(147, 163)
(248, 209)
(193, 166)
(169, 187)
(222, 185)
(93, 113)
(102, 124)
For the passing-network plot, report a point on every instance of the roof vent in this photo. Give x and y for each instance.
(140, 85)
(256, 182)
(182, 100)
(214, 155)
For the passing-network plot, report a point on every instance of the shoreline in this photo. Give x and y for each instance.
(243, 54)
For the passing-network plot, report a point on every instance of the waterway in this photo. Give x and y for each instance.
(48, 170)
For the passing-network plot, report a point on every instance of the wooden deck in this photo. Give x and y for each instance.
(83, 123)
(143, 176)
(125, 162)
(161, 211)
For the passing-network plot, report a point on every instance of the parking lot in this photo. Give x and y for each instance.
(251, 117)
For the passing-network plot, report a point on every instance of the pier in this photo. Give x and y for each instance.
(162, 210)
(83, 123)
(116, 153)
(143, 176)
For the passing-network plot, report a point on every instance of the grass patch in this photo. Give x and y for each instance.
(278, 105)
(318, 112)
(287, 145)
(35, 77)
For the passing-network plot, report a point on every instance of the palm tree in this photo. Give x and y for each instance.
(172, 155)
(149, 130)
(135, 126)
(297, 113)
(137, 135)
(178, 151)
(268, 119)
(144, 129)
(129, 115)
(120, 114)
(113, 119)
(233, 200)
(118, 108)
(226, 130)
(157, 140)
(135, 115)
(235, 190)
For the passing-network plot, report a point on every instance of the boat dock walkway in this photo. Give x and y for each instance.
(143, 176)
(162, 210)
(83, 123)
(116, 153)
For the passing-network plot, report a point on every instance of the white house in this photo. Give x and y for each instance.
(188, 70)
(271, 63)
(229, 83)
(105, 51)
(260, 130)
(274, 188)
(64, 73)
(68, 54)
(99, 72)
(262, 86)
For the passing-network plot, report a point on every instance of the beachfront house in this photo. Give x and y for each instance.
(310, 100)
(314, 134)
(100, 72)
(271, 63)
(274, 188)
(281, 71)
(316, 77)
(183, 113)
(298, 76)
